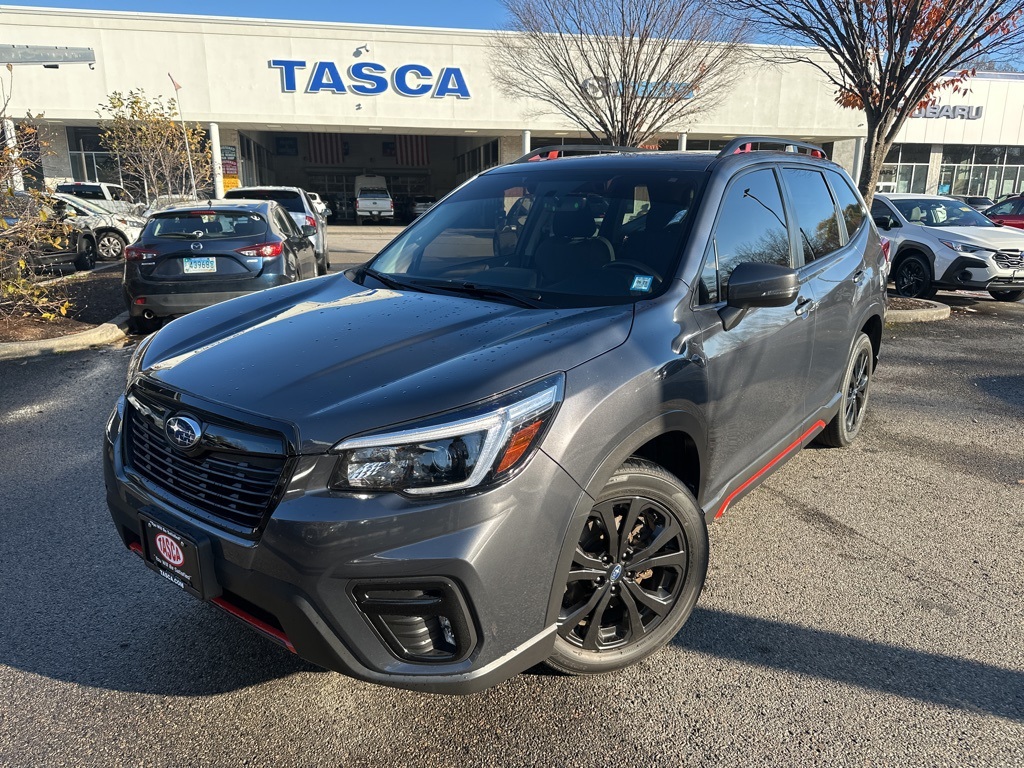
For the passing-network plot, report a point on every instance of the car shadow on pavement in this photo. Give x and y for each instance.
(952, 682)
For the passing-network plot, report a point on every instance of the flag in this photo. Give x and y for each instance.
(175, 83)
(411, 150)
(327, 148)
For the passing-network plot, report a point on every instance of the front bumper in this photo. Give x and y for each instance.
(971, 273)
(173, 298)
(302, 580)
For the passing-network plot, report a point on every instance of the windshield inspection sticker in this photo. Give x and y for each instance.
(642, 283)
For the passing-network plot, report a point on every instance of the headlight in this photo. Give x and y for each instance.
(959, 247)
(482, 444)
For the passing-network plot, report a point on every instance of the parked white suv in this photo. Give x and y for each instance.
(112, 197)
(939, 242)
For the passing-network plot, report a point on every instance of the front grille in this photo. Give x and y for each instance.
(1009, 259)
(236, 488)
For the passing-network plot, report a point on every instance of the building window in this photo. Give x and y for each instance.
(905, 169)
(89, 160)
(987, 171)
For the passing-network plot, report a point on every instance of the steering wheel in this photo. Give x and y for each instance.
(634, 265)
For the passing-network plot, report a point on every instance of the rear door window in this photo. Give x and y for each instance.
(751, 226)
(815, 212)
(850, 205)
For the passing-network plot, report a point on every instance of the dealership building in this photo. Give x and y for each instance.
(316, 104)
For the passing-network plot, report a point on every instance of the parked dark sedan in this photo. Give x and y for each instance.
(53, 244)
(191, 256)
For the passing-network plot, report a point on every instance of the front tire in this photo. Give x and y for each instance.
(845, 426)
(1007, 295)
(913, 277)
(637, 571)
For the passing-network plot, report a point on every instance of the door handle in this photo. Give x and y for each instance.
(859, 275)
(804, 306)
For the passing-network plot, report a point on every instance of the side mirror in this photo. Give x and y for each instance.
(308, 230)
(883, 222)
(752, 284)
(327, 212)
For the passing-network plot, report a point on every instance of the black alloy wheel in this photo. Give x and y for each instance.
(846, 424)
(637, 570)
(913, 278)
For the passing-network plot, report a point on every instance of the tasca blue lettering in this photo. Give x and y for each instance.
(288, 68)
(400, 79)
(451, 83)
(367, 75)
(325, 77)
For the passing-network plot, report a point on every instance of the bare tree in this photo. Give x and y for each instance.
(623, 70)
(148, 140)
(889, 57)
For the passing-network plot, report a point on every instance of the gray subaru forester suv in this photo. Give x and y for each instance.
(499, 441)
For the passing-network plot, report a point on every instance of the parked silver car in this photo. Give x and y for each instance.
(939, 242)
(113, 230)
(298, 203)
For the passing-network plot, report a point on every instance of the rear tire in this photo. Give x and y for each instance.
(844, 428)
(638, 569)
(1007, 295)
(913, 277)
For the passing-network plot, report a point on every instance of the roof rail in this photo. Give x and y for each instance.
(743, 144)
(555, 151)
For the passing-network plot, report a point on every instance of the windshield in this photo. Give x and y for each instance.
(84, 206)
(940, 213)
(562, 236)
(207, 225)
(291, 200)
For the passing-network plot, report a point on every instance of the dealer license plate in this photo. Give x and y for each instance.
(194, 264)
(176, 557)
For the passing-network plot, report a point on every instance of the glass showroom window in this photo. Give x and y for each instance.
(905, 169)
(89, 160)
(984, 170)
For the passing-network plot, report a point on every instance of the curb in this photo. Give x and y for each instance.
(108, 333)
(937, 311)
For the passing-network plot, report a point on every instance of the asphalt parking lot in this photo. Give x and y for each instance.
(863, 607)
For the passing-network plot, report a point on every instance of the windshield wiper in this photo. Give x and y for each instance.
(474, 289)
(392, 282)
(183, 235)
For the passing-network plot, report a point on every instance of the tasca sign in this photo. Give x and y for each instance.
(368, 78)
(949, 112)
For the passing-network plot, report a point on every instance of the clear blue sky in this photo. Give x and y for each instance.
(470, 14)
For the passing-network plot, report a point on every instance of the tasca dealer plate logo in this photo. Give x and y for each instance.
(169, 550)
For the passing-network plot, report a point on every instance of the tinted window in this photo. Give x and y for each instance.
(880, 210)
(86, 192)
(751, 227)
(1007, 208)
(815, 212)
(291, 200)
(206, 225)
(285, 223)
(850, 204)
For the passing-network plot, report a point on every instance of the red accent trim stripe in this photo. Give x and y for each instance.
(817, 427)
(136, 548)
(260, 626)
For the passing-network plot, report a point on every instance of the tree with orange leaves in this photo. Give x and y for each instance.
(889, 57)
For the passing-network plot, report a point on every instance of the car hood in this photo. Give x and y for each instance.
(997, 238)
(335, 359)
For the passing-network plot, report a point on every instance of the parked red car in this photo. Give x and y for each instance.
(1009, 212)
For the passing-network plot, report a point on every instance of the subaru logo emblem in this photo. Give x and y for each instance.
(183, 432)
(616, 572)
(197, 246)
